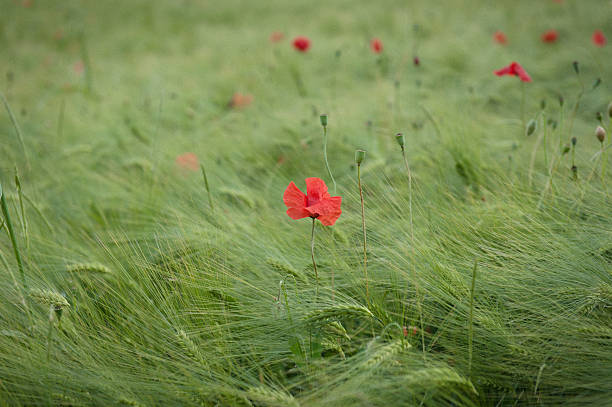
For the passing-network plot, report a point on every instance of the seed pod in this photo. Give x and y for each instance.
(324, 120)
(600, 133)
(359, 156)
(565, 150)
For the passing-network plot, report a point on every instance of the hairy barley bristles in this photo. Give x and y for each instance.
(190, 346)
(386, 352)
(48, 297)
(285, 269)
(88, 267)
(270, 397)
(338, 311)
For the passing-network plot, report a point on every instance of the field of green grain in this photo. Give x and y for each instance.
(126, 279)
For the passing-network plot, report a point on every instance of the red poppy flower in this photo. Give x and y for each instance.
(500, 38)
(316, 203)
(514, 69)
(599, 38)
(188, 161)
(416, 61)
(376, 45)
(240, 100)
(276, 36)
(550, 36)
(301, 43)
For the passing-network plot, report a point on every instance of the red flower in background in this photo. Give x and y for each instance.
(500, 38)
(514, 69)
(301, 43)
(416, 61)
(240, 100)
(376, 45)
(550, 36)
(188, 161)
(599, 38)
(276, 36)
(316, 203)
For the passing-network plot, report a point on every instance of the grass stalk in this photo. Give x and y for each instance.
(17, 128)
(324, 124)
(471, 321)
(363, 228)
(210, 201)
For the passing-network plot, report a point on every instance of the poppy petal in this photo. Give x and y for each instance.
(316, 190)
(293, 197)
(298, 213)
(507, 70)
(327, 209)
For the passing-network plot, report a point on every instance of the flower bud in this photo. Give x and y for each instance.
(359, 156)
(543, 104)
(565, 150)
(575, 171)
(531, 126)
(561, 100)
(599, 117)
(576, 67)
(610, 110)
(574, 141)
(600, 133)
(324, 120)
(597, 83)
(399, 137)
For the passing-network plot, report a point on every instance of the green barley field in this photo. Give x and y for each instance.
(146, 254)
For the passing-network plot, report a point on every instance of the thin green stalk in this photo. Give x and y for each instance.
(9, 226)
(325, 157)
(363, 227)
(312, 247)
(523, 104)
(24, 219)
(207, 187)
(86, 62)
(17, 129)
(471, 326)
(412, 249)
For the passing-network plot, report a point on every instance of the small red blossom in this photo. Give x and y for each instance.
(416, 61)
(599, 38)
(412, 330)
(240, 100)
(316, 203)
(301, 44)
(376, 45)
(500, 38)
(276, 36)
(514, 69)
(188, 161)
(550, 36)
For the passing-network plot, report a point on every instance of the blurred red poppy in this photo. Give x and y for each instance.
(188, 161)
(276, 36)
(514, 69)
(550, 36)
(376, 45)
(599, 38)
(316, 203)
(240, 100)
(500, 38)
(301, 43)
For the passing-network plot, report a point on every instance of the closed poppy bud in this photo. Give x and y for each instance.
(576, 67)
(597, 83)
(561, 100)
(359, 156)
(599, 117)
(574, 141)
(565, 150)
(610, 110)
(324, 120)
(575, 171)
(399, 137)
(531, 126)
(600, 133)
(543, 104)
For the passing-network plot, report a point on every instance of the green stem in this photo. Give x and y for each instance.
(471, 326)
(207, 187)
(17, 129)
(412, 251)
(523, 104)
(363, 227)
(325, 157)
(9, 226)
(312, 247)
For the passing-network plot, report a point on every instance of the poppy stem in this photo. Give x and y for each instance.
(414, 276)
(363, 227)
(523, 104)
(312, 247)
(325, 156)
